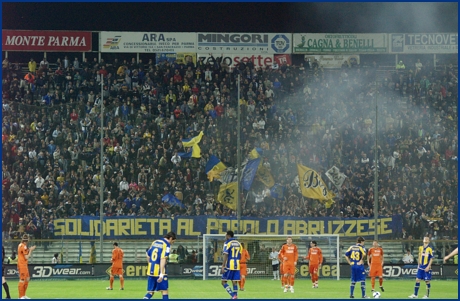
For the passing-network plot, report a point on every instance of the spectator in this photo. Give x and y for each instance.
(407, 258)
(281, 109)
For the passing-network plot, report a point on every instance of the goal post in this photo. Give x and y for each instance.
(259, 248)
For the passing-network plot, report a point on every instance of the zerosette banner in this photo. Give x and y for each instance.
(151, 42)
(340, 43)
(424, 43)
(244, 43)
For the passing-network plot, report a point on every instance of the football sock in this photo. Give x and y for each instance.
(21, 289)
(235, 289)
(111, 281)
(352, 288)
(122, 282)
(228, 289)
(381, 281)
(417, 286)
(373, 282)
(7, 289)
(291, 280)
(363, 288)
(166, 297)
(148, 296)
(428, 286)
(274, 274)
(242, 282)
(26, 285)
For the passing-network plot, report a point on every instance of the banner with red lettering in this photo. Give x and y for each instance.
(38, 40)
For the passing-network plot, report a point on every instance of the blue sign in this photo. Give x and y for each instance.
(280, 43)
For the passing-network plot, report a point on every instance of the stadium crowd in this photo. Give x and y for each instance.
(295, 114)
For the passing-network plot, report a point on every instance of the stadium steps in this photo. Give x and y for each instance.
(135, 251)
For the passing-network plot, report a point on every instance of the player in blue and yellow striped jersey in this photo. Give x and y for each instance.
(157, 255)
(355, 257)
(425, 259)
(231, 264)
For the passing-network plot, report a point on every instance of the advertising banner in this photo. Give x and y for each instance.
(283, 58)
(340, 43)
(232, 60)
(192, 226)
(133, 270)
(243, 43)
(182, 58)
(333, 61)
(127, 42)
(40, 40)
(424, 43)
(52, 271)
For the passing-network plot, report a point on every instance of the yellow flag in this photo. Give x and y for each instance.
(264, 175)
(312, 186)
(214, 173)
(193, 142)
(254, 154)
(228, 195)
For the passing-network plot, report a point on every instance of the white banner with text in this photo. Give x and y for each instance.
(340, 43)
(123, 42)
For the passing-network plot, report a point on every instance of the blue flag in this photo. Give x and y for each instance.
(277, 191)
(172, 200)
(249, 173)
(184, 155)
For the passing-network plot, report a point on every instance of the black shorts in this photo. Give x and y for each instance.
(275, 267)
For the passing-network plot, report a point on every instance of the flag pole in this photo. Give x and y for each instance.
(376, 171)
(101, 179)
(238, 159)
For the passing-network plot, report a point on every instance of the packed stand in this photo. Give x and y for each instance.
(296, 114)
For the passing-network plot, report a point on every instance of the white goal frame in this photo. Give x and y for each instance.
(262, 236)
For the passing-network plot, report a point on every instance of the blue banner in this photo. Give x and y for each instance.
(162, 57)
(249, 173)
(172, 200)
(192, 226)
(277, 191)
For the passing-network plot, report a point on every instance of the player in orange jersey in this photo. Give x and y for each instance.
(315, 260)
(283, 279)
(375, 262)
(289, 255)
(117, 266)
(24, 253)
(243, 267)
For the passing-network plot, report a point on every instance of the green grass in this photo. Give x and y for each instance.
(212, 289)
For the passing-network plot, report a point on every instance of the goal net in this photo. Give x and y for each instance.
(260, 247)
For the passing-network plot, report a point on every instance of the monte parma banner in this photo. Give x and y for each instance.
(193, 226)
(38, 40)
(110, 41)
(340, 43)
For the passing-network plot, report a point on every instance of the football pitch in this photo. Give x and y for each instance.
(212, 289)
